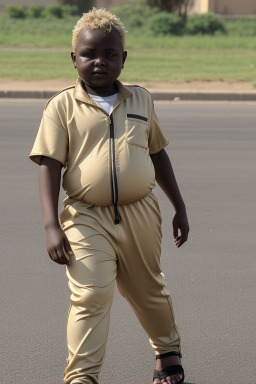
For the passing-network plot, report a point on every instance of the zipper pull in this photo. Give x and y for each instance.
(117, 214)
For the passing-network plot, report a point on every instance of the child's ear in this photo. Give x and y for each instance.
(124, 57)
(73, 57)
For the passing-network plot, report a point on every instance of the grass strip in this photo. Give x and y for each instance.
(142, 64)
(40, 49)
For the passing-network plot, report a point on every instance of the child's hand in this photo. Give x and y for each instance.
(58, 246)
(180, 227)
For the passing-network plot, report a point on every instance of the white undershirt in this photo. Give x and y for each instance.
(107, 102)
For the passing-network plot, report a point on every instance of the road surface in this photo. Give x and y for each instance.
(211, 278)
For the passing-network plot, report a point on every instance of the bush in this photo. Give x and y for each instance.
(166, 24)
(136, 21)
(241, 27)
(15, 11)
(70, 10)
(82, 5)
(205, 24)
(53, 11)
(134, 15)
(34, 11)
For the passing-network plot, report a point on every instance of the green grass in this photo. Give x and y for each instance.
(36, 64)
(40, 49)
(192, 64)
(36, 32)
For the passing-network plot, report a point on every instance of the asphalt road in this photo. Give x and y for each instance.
(211, 278)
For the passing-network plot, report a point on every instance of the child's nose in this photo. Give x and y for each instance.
(99, 61)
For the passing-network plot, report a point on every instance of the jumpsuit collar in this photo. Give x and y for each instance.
(81, 95)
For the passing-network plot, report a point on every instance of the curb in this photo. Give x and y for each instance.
(158, 96)
(204, 96)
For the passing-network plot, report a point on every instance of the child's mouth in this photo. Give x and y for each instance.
(99, 72)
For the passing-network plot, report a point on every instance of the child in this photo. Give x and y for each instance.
(107, 137)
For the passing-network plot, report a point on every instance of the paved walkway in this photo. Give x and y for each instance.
(175, 90)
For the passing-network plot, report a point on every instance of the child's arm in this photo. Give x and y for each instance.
(57, 243)
(166, 179)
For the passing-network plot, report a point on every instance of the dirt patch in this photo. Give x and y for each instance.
(171, 86)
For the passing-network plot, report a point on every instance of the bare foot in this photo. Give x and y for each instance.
(167, 362)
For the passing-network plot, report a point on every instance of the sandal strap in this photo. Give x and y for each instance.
(156, 375)
(168, 354)
(172, 370)
(169, 371)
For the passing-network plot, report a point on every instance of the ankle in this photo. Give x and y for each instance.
(165, 362)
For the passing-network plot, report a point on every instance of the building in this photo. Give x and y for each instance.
(221, 7)
(96, 3)
(110, 3)
(225, 7)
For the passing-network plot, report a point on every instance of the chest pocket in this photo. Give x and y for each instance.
(137, 130)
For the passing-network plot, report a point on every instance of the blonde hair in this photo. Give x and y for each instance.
(99, 18)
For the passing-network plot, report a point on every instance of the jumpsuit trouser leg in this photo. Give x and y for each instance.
(104, 252)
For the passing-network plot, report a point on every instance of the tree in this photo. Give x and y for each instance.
(180, 7)
(82, 5)
(183, 7)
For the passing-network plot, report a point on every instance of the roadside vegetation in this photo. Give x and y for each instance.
(35, 44)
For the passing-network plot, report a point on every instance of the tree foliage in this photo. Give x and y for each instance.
(82, 5)
(180, 7)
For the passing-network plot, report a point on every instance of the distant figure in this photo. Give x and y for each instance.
(106, 136)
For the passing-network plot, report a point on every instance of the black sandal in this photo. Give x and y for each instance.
(169, 371)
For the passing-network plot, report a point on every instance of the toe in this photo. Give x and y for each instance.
(172, 379)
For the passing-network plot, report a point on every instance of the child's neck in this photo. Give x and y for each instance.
(104, 91)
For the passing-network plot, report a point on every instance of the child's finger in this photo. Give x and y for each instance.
(177, 241)
(61, 255)
(67, 250)
(175, 231)
(182, 238)
(54, 256)
(184, 234)
(68, 247)
(65, 255)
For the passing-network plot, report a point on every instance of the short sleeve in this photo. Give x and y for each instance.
(51, 140)
(157, 141)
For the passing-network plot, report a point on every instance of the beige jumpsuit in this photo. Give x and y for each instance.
(111, 218)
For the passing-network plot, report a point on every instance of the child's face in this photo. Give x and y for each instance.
(99, 57)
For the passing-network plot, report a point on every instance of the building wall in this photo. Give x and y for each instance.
(225, 7)
(232, 7)
(96, 3)
(196, 7)
(235, 7)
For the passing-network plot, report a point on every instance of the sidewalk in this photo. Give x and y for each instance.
(176, 90)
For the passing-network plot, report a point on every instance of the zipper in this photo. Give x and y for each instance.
(113, 177)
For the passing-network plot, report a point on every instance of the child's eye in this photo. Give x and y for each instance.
(87, 54)
(110, 54)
